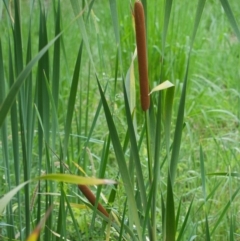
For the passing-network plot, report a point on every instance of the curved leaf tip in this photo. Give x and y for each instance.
(165, 85)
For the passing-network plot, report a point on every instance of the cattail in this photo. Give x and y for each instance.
(92, 199)
(142, 54)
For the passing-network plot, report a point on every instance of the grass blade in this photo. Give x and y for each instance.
(170, 218)
(69, 178)
(11, 96)
(73, 217)
(76, 10)
(203, 175)
(5, 148)
(102, 169)
(121, 163)
(167, 14)
(180, 235)
(36, 232)
(7, 197)
(204, 192)
(15, 138)
(114, 15)
(170, 223)
(135, 152)
(72, 99)
(168, 116)
(56, 70)
(180, 116)
(231, 18)
(224, 210)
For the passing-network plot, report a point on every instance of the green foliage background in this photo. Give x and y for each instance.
(74, 105)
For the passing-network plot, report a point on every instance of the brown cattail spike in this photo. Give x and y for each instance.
(142, 54)
(92, 199)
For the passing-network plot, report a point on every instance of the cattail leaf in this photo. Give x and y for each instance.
(170, 222)
(102, 170)
(56, 73)
(121, 163)
(181, 109)
(224, 211)
(5, 147)
(36, 232)
(76, 9)
(225, 174)
(170, 218)
(165, 85)
(114, 15)
(178, 213)
(130, 84)
(168, 8)
(231, 18)
(69, 178)
(72, 214)
(11, 96)
(232, 229)
(207, 232)
(203, 174)
(34, 235)
(135, 153)
(180, 235)
(169, 96)
(7, 197)
(43, 108)
(72, 98)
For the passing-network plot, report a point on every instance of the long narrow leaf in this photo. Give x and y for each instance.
(121, 163)
(11, 96)
(170, 222)
(69, 178)
(180, 235)
(72, 98)
(224, 211)
(231, 18)
(76, 10)
(135, 152)
(180, 116)
(7, 197)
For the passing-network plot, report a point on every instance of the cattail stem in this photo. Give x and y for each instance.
(92, 199)
(142, 54)
(149, 148)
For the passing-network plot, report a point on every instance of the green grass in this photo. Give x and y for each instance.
(69, 104)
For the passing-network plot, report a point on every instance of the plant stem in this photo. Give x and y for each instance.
(148, 147)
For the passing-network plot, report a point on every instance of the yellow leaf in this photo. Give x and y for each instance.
(165, 85)
(69, 178)
(33, 236)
